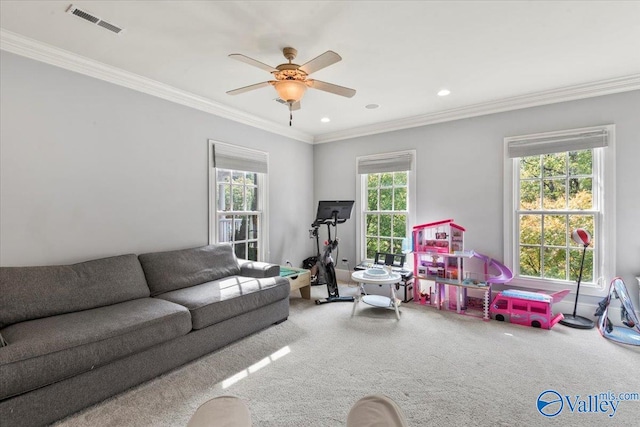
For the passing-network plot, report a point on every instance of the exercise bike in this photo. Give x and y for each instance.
(331, 214)
(313, 262)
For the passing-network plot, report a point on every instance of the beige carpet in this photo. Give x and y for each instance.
(441, 368)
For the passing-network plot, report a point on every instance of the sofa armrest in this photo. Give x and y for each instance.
(258, 269)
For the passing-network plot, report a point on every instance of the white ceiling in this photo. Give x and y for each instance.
(492, 56)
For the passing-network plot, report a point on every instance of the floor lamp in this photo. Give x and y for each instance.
(582, 237)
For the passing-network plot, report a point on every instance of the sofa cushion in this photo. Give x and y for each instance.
(222, 299)
(33, 292)
(44, 351)
(168, 271)
(258, 269)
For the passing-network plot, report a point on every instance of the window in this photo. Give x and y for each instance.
(386, 212)
(554, 183)
(386, 197)
(519, 306)
(542, 309)
(237, 197)
(237, 211)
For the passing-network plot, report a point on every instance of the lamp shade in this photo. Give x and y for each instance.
(290, 90)
(581, 236)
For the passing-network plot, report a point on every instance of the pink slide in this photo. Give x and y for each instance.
(504, 274)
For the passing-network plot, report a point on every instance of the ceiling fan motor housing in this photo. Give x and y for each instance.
(289, 72)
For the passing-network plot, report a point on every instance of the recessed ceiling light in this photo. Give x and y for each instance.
(444, 92)
(325, 120)
(371, 106)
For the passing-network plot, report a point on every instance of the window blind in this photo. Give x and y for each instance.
(227, 156)
(386, 162)
(547, 144)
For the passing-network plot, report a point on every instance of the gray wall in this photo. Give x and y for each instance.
(91, 169)
(459, 171)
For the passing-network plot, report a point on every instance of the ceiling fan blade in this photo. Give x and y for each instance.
(242, 58)
(295, 106)
(248, 88)
(319, 62)
(331, 88)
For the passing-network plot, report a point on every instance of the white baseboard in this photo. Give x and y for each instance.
(586, 307)
(343, 276)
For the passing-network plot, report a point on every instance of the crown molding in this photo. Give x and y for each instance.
(568, 93)
(20, 45)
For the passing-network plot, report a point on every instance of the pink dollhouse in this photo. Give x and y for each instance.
(445, 272)
(441, 236)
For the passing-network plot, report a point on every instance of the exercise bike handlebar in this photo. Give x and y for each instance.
(330, 221)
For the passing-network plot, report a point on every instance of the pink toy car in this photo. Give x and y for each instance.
(526, 308)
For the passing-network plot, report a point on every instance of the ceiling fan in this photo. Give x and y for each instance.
(291, 80)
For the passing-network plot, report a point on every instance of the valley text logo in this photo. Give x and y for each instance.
(551, 403)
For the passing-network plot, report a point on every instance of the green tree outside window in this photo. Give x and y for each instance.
(556, 197)
(386, 212)
(238, 214)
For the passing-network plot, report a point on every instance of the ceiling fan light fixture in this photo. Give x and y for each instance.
(290, 90)
(291, 79)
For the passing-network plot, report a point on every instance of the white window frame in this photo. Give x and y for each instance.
(361, 199)
(604, 206)
(262, 192)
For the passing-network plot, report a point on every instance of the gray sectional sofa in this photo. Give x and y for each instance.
(77, 334)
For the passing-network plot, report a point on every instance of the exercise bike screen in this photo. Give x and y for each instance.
(327, 208)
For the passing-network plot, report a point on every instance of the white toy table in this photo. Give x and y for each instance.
(382, 278)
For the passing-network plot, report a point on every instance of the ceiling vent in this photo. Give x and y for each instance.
(93, 19)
